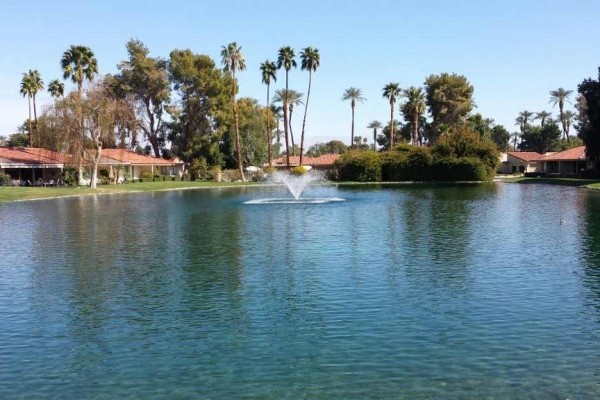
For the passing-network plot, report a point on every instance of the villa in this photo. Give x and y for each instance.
(521, 162)
(31, 166)
(563, 163)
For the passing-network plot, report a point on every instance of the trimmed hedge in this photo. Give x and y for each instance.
(359, 166)
(461, 169)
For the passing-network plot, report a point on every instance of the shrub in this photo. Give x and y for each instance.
(199, 169)
(407, 164)
(231, 175)
(359, 166)
(146, 175)
(461, 169)
(70, 176)
(463, 142)
(299, 170)
(5, 180)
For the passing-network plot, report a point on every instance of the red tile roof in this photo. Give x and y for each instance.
(324, 160)
(526, 155)
(133, 158)
(574, 154)
(32, 155)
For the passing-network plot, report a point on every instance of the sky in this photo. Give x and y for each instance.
(513, 52)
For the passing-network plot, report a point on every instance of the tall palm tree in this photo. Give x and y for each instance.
(526, 115)
(268, 71)
(285, 60)
(374, 125)
(519, 122)
(543, 116)
(559, 96)
(36, 84)
(79, 64)
(27, 90)
(515, 139)
(232, 60)
(568, 117)
(415, 107)
(294, 98)
(277, 114)
(353, 94)
(391, 91)
(56, 88)
(311, 60)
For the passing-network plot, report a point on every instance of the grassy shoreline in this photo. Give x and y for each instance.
(15, 194)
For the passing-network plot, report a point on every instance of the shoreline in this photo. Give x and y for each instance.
(581, 183)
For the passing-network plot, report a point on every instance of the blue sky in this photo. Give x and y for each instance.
(513, 52)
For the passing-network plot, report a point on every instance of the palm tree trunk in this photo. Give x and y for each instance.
(238, 149)
(269, 140)
(374, 139)
(292, 133)
(352, 127)
(35, 125)
(285, 121)
(416, 130)
(29, 105)
(391, 126)
(304, 120)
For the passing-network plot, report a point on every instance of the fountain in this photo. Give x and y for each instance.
(295, 183)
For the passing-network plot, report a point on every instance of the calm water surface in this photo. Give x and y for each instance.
(409, 292)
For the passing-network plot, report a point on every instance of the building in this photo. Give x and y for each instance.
(570, 162)
(120, 163)
(520, 162)
(31, 165)
(324, 162)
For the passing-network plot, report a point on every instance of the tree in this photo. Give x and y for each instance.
(35, 84)
(331, 147)
(353, 94)
(542, 116)
(500, 136)
(568, 118)
(276, 111)
(374, 125)
(515, 136)
(413, 109)
(268, 71)
(559, 96)
(540, 138)
(146, 80)
(481, 125)
(590, 134)
(232, 60)
(294, 98)
(285, 60)
(311, 60)
(27, 90)
(391, 91)
(384, 139)
(449, 98)
(56, 88)
(200, 118)
(79, 64)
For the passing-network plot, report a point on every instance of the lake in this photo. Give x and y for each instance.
(485, 291)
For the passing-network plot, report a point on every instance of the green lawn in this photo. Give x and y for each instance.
(30, 193)
(590, 183)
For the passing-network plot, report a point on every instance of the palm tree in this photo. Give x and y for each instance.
(286, 60)
(415, 107)
(515, 138)
(27, 90)
(294, 98)
(568, 116)
(519, 122)
(56, 88)
(559, 96)
(391, 91)
(353, 94)
(543, 116)
(374, 125)
(311, 60)
(36, 84)
(232, 60)
(277, 114)
(526, 115)
(268, 71)
(79, 64)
